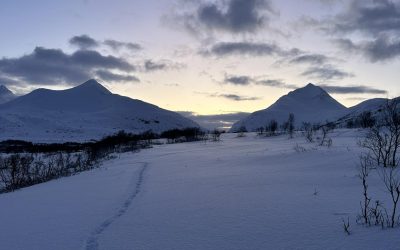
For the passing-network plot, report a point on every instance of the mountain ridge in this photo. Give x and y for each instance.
(310, 103)
(87, 111)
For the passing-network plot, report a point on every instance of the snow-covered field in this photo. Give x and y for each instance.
(239, 193)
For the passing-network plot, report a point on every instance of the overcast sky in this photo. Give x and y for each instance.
(207, 57)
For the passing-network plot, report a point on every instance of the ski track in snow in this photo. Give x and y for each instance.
(92, 241)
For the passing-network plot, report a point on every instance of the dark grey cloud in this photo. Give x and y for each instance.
(235, 97)
(118, 45)
(352, 89)
(161, 65)
(375, 23)
(232, 16)
(243, 80)
(326, 72)
(7, 81)
(86, 42)
(276, 83)
(150, 65)
(93, 59)
(238, 16)
(109, 76)
(83, 42)
(53, 66)
(380, 49)
(220, 121)
(370, 17)
(243, 48)
(346, 44)
(238, 80)
(317, 59)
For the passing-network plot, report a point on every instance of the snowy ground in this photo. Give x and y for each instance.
(240, 193)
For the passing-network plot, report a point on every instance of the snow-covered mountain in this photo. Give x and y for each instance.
(368, 105)
(308, 104)
(88, 111)
(5, 94)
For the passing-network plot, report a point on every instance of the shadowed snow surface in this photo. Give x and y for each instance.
(240, 193)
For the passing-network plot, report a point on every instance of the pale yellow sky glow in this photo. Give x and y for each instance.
(290, 42)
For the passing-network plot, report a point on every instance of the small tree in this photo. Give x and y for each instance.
(290, 125)
(308, 131)
(273, 126)
(242, 130)
(260, 131)
(363, 172)
(383, 138)
(392, 121)
(366, 120)
(216, 135)
(391, 180)
(325, 140)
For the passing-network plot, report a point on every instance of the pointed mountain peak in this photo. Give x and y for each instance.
(6, 94)
(5, 91)
(310, 90)
(311, 85)
(92, 85)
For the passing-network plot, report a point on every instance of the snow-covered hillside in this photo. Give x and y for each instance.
(240, 193)
(309, 104)
(368, 105)
(88, 111)
(5, 94)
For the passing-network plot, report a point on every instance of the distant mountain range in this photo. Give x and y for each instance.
(308, 104)
(88, 111)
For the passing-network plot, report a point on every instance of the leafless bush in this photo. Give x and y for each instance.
(325, 140)
(216, 135)
(299, 149)
(363, 172)
(392, 121)
(308, 131)
(19, 170)
(376, 215)
(271, 128)
(260, 131)
(346, 226)
(391, 179)
(383, 138)
(290, 125)
(15, 171)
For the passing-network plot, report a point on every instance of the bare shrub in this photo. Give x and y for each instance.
(299, 149)
(383, 138)
(346, 226)
(271, 127)
(325, 140)
(290, 125)
(260, 131)
(241, 131)
(216, 135)
(391, 180)
(363, 172)
(308, 131)
(14, 171)
(376, 215)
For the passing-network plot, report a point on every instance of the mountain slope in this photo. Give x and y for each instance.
(368, 105)
(309, 104)
(88, 111)
(5, 94)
